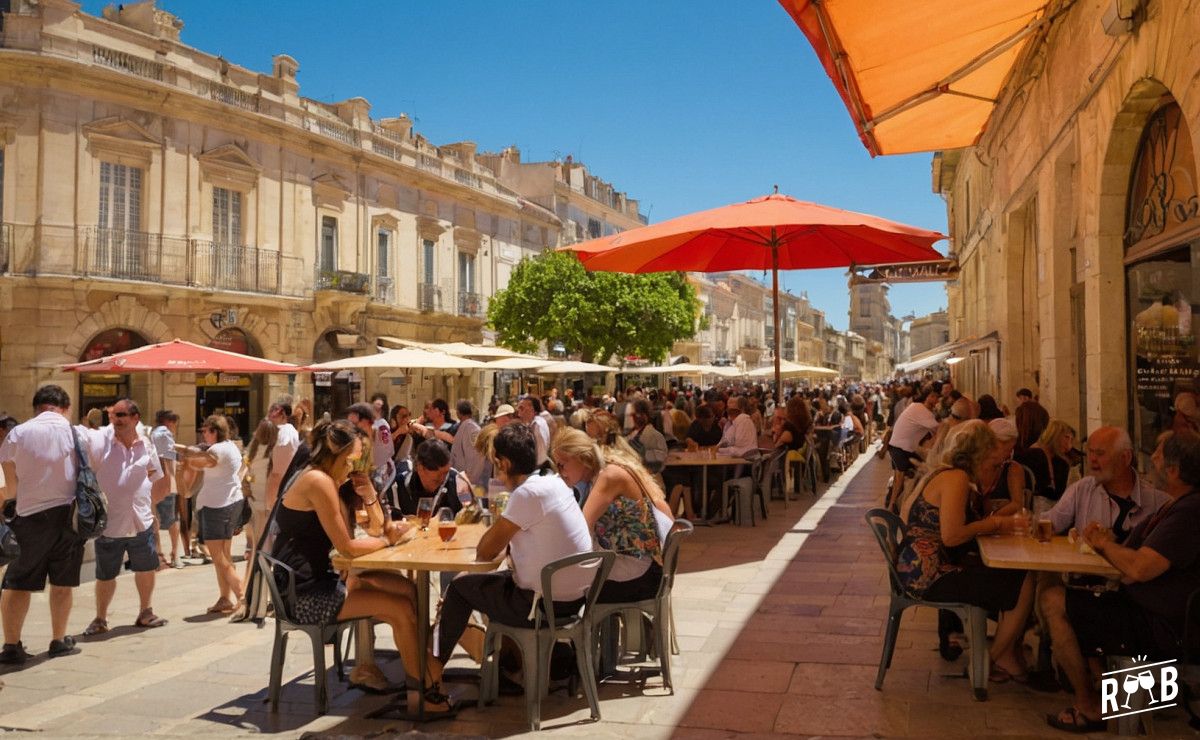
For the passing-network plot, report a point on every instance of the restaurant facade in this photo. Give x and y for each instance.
(1076, 223)
(150, 191)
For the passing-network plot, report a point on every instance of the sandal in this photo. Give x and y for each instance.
(97, 627)
(1075, 722)
(433, 695)
(999, 675)
(148, 619)
(221, 607)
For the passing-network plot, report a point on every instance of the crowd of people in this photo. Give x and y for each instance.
(966, 468)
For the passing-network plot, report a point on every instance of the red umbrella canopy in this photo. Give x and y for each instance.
(741, 236)
(178, 356)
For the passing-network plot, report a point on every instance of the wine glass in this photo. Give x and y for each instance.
(446, 525)
(1130, 685)
(1146, 681)
(424, 512)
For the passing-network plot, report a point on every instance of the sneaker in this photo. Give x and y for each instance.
(13, 654)
(65, 646)
(176, 563)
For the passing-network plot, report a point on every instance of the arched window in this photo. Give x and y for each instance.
(1162, 254)
(1162, 188)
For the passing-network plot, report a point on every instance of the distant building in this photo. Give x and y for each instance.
(929, 331)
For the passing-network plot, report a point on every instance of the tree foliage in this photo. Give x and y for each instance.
(552, 299)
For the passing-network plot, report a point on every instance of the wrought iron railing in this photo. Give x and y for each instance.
(343, 280)
(235, 267)
(470, 304)
(132, 255)
(384, 289)
(429, 297)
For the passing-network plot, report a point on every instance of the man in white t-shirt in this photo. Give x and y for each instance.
(541, 524)
(131, 476)
(286, 444)
(916, 422)
(38, 458)
(529, 412)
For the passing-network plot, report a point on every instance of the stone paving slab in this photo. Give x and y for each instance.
(780, 626)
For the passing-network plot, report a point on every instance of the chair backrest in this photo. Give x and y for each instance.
(889, 532)
(600, 561)
(680, 529)
(284, 601)
(1030, 485)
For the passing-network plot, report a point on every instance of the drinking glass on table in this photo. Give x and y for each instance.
(1021, 521)
(446, 525)
(424, 512)
(1044, 530)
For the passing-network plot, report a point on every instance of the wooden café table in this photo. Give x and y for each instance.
(424, 554)
(1022, 552)
(704, 459)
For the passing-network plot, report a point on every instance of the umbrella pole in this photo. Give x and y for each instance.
(775, 309)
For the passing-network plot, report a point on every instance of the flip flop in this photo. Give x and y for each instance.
(998, 675)
(221, 607)
(1078, 723)
(97, 627)
(149, 619)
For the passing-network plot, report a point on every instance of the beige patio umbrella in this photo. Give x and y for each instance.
(574, 366)
(400, 359)
(789, 369)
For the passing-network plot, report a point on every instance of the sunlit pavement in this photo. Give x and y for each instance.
(780, 628)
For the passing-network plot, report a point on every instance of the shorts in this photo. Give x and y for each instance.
(168, 512)
(49, 547)
(142, 549)
(321, 604)
(219, 524)
(901, 459)
(1111, 623)
(994, 589)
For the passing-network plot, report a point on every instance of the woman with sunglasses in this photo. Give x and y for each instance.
(219, 504)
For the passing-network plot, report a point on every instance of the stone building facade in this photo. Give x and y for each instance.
(152, 190)
(1075, 221)
(929, 331)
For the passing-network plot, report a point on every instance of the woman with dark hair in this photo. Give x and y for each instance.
(219, 504)
(988, 409)
(1031, 419)
(314, 519)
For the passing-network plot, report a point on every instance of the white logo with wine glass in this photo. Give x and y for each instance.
(1143, 687)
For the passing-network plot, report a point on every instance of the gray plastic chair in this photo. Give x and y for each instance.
(657, 609)
(889, 531)
(536, 642)
(321, 634)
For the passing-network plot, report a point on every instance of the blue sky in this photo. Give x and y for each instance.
(683, 105)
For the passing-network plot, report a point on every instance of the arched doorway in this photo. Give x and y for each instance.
(1162, 257)
(334, 392)
(238, 397)
(100, 390)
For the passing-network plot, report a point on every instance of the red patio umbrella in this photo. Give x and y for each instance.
(178, 356)
(769, 233)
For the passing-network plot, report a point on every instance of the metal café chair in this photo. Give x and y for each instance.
(889, 532)
(284, 603)
(657, 609)
(536, 642)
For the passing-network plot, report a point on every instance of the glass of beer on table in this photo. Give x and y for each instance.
(424, 512)
(1044, 530)
(446, 524)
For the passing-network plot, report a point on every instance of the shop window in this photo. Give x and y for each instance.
(1162, 238)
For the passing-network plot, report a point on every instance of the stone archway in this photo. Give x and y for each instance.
(123, 312)
(1105, 318)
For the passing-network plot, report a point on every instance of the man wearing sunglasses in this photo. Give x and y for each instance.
(131, 476)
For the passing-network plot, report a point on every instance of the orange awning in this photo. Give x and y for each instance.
(918, 76)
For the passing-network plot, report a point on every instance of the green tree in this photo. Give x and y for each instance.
(551, 298)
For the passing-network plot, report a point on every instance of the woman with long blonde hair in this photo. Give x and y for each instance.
(624, 509)
(1047, 460)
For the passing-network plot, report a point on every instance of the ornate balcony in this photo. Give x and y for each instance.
(384, 289)
(343, 280)
(429, 297)
(470, 304)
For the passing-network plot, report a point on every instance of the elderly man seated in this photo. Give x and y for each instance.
(1115, 497)
(739, 436)
(1160, 568)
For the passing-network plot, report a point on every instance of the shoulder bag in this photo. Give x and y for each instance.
(89, 510)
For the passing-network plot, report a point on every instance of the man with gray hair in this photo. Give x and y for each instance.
(739, 436)
(1116, 497)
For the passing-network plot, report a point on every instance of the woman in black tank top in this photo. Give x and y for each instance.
(313, 519)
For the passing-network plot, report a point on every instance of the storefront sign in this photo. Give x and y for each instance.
(920, 272)
(323, 380)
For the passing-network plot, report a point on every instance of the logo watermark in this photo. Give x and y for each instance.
(1145, 687)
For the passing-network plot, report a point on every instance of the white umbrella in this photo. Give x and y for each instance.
(574, 366)
(683, 368)
(460, 349)
(517, 363)
(407, 359)
(793, 369)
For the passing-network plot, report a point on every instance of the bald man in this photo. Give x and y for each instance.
(1116, 497)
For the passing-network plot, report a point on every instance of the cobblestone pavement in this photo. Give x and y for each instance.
(779, 626)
